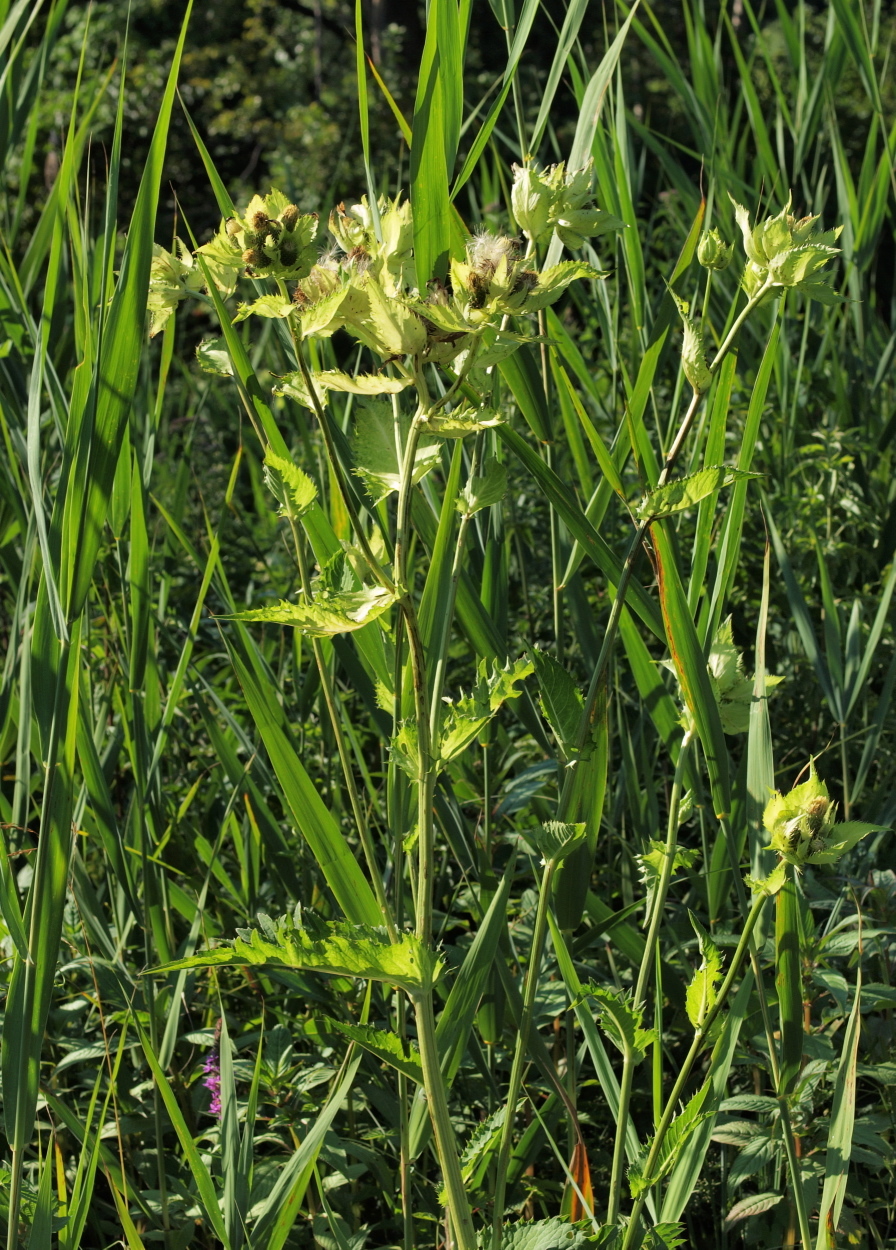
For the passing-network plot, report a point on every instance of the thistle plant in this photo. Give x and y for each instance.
(434, 345)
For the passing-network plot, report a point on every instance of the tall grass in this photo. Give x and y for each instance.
(431, 906)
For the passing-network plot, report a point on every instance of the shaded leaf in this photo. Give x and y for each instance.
(398, 1052)
(686, 492)
(484, 490)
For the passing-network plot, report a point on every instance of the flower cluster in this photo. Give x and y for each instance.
(784, 251)
(212, 1079)
(366, 283)
(732, 689)
(561, 200)
(171, 279)
(803, 827)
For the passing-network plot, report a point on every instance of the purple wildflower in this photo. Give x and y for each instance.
(212, 1082)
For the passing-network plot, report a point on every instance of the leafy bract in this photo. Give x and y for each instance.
(552, 282)
(171, 279)
(557, 199)
(386, 323)
(327, 614)
(335, 949)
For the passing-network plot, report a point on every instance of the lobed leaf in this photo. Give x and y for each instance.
(329, 614)
(342, 950)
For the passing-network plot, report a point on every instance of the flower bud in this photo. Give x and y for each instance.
(532, 200)
(712, 253)
(289, 217)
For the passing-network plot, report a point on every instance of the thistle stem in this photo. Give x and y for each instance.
(656, 915)
(329, 694)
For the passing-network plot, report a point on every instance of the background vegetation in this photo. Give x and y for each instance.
(148, 806)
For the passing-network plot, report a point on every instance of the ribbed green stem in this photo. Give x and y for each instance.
(796, 1182)
(433, 1081)
(376, 877)
(684, 1075)
(656, 916)
(519, 1054)
(618, 1174)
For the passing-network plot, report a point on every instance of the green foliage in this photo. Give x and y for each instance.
(453, 416)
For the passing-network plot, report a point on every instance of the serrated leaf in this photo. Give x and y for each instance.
(378, 452)
(464, 719)
(272, 307)
(758, 1104)
(291, 487)
(213, 357)
(343, 950)
(555, 840)
(475, 1156)
(406, 749)
(775, 881)
(561, 700)
(701, 993)
(327, 615)
(362, 383)
(621, 1020)
(389, 1048)
(687, 492)
(736, 1132)
(664, 1237)
(674, 1141)
(552, 1234)
(651, 863)
(485, 490)
(462, 421)
(755, 1204)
